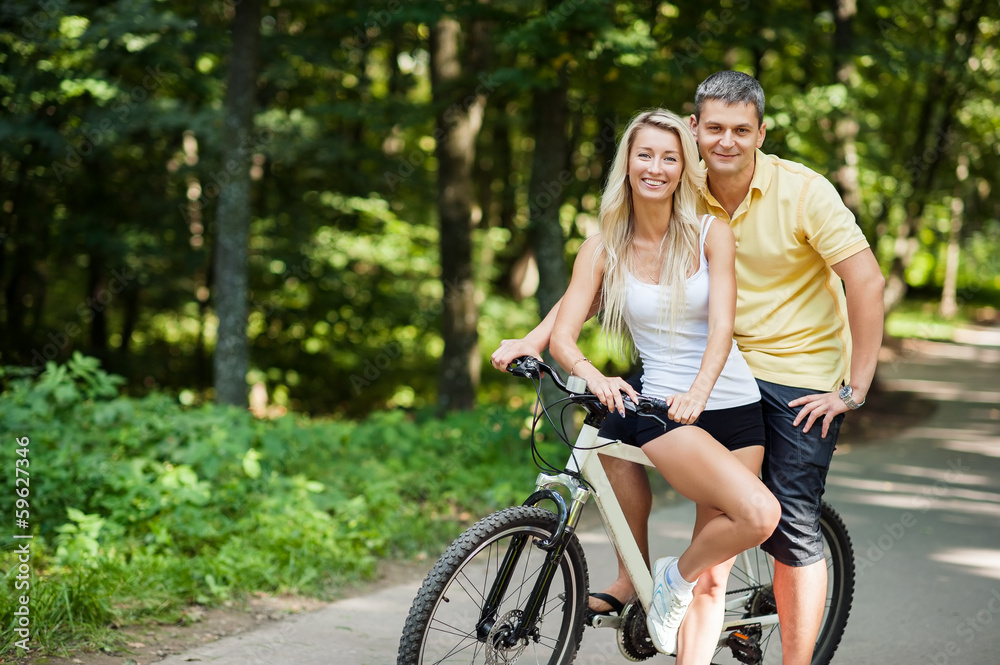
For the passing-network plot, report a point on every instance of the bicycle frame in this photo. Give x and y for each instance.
(518, 607)
(585, 459)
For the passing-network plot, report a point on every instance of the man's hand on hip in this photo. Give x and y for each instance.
(821, 405)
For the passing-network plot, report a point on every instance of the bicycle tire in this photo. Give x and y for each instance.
(841, 591)
(442, 623)
(839, 554)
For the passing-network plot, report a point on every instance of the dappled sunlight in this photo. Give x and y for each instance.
(943, 353)
(942, 391)
(941, 496)
(938, 490)
(921, 503)
(988, 447)
(943, 433)
(984, 562)
(939, 474)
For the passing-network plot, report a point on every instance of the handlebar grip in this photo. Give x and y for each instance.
(650, 404)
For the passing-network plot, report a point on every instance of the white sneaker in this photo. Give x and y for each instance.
(667, 609)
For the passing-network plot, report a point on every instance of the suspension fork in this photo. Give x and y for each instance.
(555, 547)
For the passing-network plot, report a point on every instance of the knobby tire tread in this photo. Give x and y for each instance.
(437, 580)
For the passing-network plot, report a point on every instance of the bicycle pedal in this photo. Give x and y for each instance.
(745, 645)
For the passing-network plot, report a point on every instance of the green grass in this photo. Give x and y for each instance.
(921, 320)
(141, 507)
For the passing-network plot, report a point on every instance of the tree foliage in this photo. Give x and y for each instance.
(113, 163)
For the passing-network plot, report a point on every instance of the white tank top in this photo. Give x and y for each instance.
(667, 370)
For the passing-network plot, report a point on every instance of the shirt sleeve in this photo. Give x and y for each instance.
(828, 224)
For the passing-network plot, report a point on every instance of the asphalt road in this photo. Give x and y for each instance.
(922, 507)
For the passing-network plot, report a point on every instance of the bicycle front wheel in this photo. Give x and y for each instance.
(750, 599)
(449, 621)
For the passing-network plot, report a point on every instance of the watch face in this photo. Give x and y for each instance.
(846, 394)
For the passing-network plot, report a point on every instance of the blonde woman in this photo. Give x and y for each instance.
(665, 280)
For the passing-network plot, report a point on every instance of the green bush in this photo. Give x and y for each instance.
(139, 506)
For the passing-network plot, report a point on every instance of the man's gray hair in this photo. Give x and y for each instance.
(732, 88)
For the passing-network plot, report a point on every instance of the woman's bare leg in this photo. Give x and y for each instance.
(704, 471)
(699, 633)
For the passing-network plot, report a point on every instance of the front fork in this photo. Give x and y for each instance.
(555, 547)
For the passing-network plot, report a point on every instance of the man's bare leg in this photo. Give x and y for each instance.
(631, 486)
(800, 593)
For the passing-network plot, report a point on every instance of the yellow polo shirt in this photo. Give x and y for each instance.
(791, 312)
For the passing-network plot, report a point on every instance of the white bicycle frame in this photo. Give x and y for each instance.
(586, 460)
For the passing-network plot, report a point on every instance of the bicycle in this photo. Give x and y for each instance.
(517, 581)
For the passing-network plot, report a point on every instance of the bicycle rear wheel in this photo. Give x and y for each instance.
(446, 623)
(753, 583)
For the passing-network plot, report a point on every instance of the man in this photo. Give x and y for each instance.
(798, 250)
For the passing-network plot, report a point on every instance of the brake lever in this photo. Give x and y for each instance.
(649, 406)
(526, 367)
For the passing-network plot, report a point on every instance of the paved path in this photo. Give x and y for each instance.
(923, 509)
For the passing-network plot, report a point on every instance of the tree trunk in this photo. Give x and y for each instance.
(458, 119)
(231, 359)
(949, 297)
(949, 291)
(484, 175)
(930, 148)
(846, 127)
(546, 191)
(98, 295)
(15, 340)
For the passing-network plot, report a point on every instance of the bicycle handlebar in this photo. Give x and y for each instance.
(533, 368)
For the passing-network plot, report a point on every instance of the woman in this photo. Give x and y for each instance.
(653, 267)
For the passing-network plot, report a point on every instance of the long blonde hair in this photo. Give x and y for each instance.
(680, 246)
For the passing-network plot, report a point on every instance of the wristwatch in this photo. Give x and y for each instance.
(845, 394)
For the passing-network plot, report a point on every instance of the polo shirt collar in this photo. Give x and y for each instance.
(762, 174)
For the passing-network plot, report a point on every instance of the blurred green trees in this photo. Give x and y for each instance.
(112, 166)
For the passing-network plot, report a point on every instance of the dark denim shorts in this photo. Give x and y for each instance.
(795, 468)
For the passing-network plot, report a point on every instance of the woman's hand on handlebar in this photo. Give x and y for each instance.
(609, 390)
(686, 407)
(510, 350)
